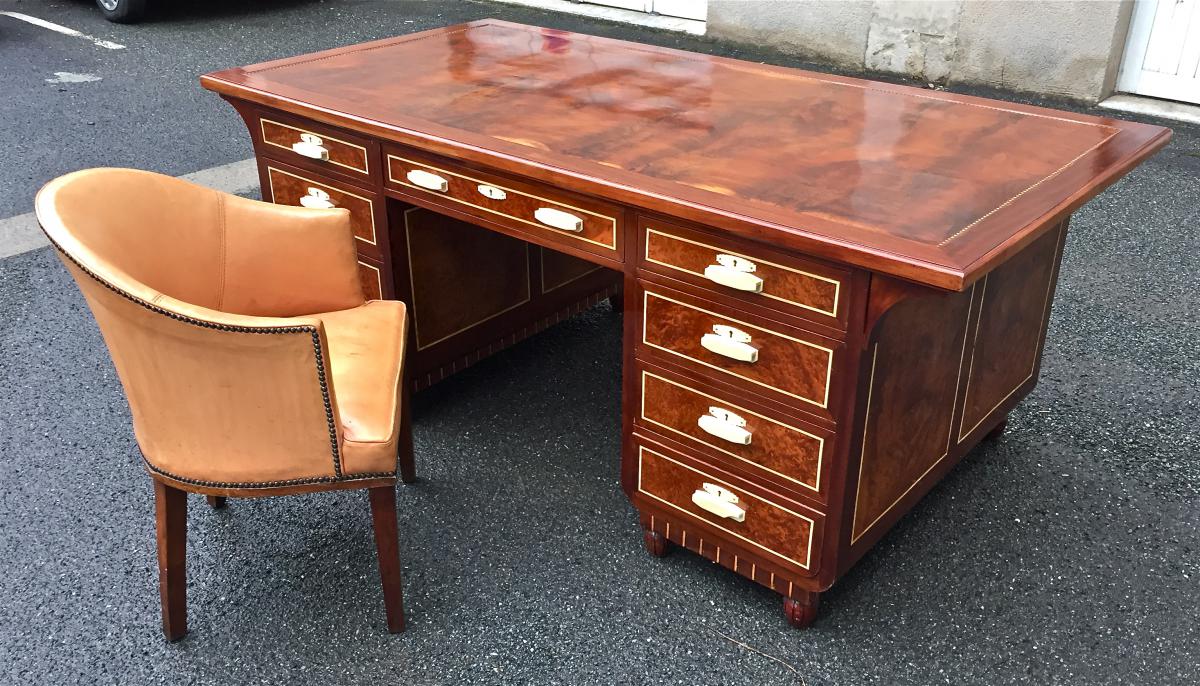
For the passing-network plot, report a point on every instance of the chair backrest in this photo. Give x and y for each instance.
(218, 399)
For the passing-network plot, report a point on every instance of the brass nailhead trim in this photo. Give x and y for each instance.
(265, 484)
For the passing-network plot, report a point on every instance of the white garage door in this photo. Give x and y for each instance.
(1162, 55)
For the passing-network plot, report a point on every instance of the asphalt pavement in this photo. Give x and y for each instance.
(1065, 553)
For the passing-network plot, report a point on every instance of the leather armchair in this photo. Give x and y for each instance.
(250, 360)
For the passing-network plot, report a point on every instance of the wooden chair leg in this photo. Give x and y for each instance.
(408, 470)
(216, 502)
(170, 509)
(387, 545)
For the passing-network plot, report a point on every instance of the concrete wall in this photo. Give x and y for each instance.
(1065, 49)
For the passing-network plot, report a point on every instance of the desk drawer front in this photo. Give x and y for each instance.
(790, 451)
(306, 144)
(293, 187)
(798, 364)
(760, 276)
(529, 209)
(370, 275)
(762, 525)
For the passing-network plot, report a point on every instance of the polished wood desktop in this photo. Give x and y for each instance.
(832, 288)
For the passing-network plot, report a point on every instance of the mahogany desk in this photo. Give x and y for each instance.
(832, 288)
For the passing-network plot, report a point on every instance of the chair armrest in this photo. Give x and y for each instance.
(228, 399)
(283, 261)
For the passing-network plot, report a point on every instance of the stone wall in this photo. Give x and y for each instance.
(1062, 49)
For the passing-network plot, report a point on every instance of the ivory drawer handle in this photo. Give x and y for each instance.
(730, 342)
(734, 272)
(424, 179)
(317, 199)
(311, 146)
(719, 501)
(725, 425)
(558, 219)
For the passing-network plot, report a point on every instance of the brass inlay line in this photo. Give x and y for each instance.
(612, 244)
(366, 158)
(413, 292)
(820, 441)
(837, 285)
(1036, 350)
(855, 535)
(862, 454)
(370, 204)
(824, 403)
(642, 450)
(378, 275)
(1013, 199)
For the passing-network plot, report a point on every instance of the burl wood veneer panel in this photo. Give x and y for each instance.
(345, 155)
(911, 400)
(790, 284)
(790, 450)
(777, 530)
(796, 364)
(460, 276)
(600, 222)
(370, 275)
(289, 186)
(1007, 340)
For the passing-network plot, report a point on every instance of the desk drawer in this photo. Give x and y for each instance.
(784, 531)
(788, 452)
(371, 276)
(290, 186)
(533, 211)
(740, 348)
(312, 145)
(758, 275)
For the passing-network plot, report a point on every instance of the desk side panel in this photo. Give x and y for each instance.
(940, 373)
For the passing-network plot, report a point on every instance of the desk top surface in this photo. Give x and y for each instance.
(930, 186)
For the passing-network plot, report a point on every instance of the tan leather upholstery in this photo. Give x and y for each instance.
(238, 329)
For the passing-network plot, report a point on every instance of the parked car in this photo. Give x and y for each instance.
(122, 11)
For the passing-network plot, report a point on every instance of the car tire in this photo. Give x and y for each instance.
(122, 11)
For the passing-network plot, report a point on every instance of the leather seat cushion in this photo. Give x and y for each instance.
(366, 350)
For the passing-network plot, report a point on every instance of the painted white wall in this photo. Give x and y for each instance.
(1062, 48)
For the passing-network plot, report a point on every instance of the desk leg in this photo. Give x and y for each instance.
(998, 430)
(801, 612)
(656, 544)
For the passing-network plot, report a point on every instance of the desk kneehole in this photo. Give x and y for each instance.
(521, 206)
(783, 533)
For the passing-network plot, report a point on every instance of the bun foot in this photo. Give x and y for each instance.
(998, 431)
(656, 544)
(799, 613)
